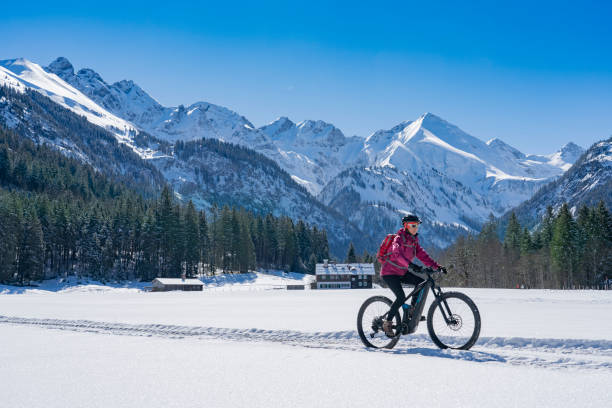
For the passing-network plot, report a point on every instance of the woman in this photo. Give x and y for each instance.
(404, 249)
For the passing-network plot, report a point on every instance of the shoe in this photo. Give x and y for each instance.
(423, 318)
(388, 328)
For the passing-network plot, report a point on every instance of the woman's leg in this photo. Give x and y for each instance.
(411, 279)
(395, 284)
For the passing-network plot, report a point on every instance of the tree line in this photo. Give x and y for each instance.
(59, 216)
(564, 251)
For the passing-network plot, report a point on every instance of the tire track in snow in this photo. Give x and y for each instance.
(545, 353)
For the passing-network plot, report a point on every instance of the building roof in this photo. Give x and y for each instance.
(345, 269)
(178, 281)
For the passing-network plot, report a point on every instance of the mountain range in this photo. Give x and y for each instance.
(587, 182)
(428, 166)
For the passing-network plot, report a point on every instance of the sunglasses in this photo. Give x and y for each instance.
(412, 225)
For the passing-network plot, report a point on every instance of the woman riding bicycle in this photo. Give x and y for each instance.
(395, 270)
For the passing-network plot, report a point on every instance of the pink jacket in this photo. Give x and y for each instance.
(403, 250)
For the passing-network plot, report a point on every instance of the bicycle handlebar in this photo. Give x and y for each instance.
(427, 270)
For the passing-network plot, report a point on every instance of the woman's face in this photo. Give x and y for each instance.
(412, 227)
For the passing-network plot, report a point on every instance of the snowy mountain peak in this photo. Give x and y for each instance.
(18, 66)
(315, 126)
(571, 152)
(566, 156)
(501, 146)
(89, 74)
(279, 128)
(61, 67)
(21, 74)
(127, 86)
(429, 117)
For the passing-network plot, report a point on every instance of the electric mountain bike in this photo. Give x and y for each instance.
(453, 320)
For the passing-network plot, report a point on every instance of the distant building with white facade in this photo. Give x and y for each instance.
(344, 276)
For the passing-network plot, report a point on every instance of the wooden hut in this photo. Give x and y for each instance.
(166, 284)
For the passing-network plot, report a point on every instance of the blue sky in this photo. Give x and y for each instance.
(536, 76)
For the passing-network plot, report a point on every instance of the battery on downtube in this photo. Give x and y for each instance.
(417, 310)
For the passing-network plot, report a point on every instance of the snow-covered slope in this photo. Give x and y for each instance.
(313, 151)
(587, 182)
(32, 115)
(21, 74)
(431, 142)
(377, 197)
(205, 172)
(426, 166)
(127, 100)
(448, 177)
(209, 171)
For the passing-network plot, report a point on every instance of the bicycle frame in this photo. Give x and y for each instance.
(423, 290)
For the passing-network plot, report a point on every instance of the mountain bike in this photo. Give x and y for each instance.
(453, 320)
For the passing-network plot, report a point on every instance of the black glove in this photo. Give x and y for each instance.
(443, 270)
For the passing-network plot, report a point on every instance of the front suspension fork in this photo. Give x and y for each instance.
(444, 308)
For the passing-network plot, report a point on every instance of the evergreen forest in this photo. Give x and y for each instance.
(61, 217)
(564, 252)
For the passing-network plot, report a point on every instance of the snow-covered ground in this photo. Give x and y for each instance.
(271, 279)
(260, 280)
(275, 348)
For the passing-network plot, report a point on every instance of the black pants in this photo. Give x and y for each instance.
(395, 284)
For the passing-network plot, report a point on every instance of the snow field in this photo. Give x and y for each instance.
(273, 348)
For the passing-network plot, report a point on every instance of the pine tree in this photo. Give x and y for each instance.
(271, 246)
(288, 246)
(148, 262)
(5, 164)
(8, 240)
(350, 256)
(303, 241)
(204, 240)
(525, 244)
(164, 231)
(31, 250)
(178, 240)
(548, 226)
(562, 247)
(225, 239)
(236, 241)
(602, 232)
(513, 233)
(246, 256)
(192, 240)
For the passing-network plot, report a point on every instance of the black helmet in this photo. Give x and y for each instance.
(410, 218)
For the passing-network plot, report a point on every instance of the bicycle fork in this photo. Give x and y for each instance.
(444, 308)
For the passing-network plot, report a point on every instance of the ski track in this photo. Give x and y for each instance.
(519, 351)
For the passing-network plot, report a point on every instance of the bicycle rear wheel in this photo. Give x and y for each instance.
(453, 321)
(369, 323)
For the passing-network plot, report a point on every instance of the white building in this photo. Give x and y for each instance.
(344, 276)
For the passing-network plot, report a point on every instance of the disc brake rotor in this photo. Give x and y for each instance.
(455, 322)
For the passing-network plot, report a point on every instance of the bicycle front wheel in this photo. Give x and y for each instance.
(370, 320)
(453, 321)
